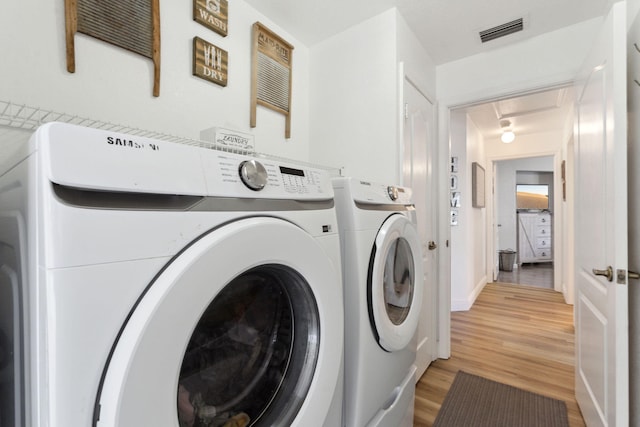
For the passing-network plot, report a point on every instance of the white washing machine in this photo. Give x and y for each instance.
(148, 283)
(383, 285)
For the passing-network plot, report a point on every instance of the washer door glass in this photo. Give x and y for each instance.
(12, 394)
(396, 282)
(399, 281)
(243, 327)
(242, 362)
(10, 368)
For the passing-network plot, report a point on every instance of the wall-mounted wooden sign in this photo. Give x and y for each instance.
(133, 25)
(213, 14)
(210, 62)
(271, 74)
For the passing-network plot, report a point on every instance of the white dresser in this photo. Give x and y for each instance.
(534, 237)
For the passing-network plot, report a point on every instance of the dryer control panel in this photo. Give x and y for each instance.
(380, 194)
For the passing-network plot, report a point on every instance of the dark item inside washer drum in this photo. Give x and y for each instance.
(250, 356)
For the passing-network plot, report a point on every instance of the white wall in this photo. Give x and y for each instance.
(112, 84)
(534, 63)
(355, 95)
(468, 238)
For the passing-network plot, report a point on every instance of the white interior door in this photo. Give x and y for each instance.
(496, 224)
(601, 313)
(418, 158)
(633, 93)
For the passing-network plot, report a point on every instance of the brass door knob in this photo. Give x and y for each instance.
(608, 273)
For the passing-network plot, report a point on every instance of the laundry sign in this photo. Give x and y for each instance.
(210, 62)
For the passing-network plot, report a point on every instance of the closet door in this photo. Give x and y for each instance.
(419, 154)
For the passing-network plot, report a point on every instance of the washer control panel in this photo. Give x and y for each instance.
(253, 174)
(234, 174)
(119, 162)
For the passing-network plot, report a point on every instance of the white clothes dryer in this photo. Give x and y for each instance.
(383, 285)
(149, 283)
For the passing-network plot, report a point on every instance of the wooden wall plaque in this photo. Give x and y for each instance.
(210, 62)
(213, 14)
(271, 64)
(133, 25)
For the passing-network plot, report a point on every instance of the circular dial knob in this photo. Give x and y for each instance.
(393, 193)
(253, 174)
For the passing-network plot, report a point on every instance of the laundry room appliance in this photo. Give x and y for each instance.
(383, 285)
(149, 283)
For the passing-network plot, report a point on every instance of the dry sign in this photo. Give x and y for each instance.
(210, 62)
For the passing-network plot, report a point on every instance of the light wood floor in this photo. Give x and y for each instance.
(539, 275)
(514, 334)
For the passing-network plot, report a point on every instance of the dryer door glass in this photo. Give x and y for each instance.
(395, 283)
(399, 280)
(242, 363)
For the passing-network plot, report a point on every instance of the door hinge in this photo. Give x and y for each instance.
(406, 110)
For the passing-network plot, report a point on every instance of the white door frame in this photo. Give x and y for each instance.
(445, 108)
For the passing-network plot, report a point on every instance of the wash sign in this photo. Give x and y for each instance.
(213, 14)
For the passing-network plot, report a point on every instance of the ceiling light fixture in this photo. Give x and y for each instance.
(507, 134)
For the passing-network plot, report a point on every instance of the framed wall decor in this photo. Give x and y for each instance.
(477, 185)
(210, 62)
(132, 25)
(455, 200)
(213, 14)
(271, 74)
(454, 164)
(454, 217)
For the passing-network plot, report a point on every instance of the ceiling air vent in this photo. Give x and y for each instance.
(501, 30)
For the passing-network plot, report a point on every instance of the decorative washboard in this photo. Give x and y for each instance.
(271, 74)
(130, 24)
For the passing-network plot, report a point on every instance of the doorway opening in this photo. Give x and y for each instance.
(542, 121)
(524, 190)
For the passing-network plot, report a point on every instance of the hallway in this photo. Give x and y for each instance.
(518, 335)
(539, 275)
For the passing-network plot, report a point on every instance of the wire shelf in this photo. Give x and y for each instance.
(25, 117)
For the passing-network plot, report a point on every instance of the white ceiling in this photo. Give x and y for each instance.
(448, 30)
(526, 114)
